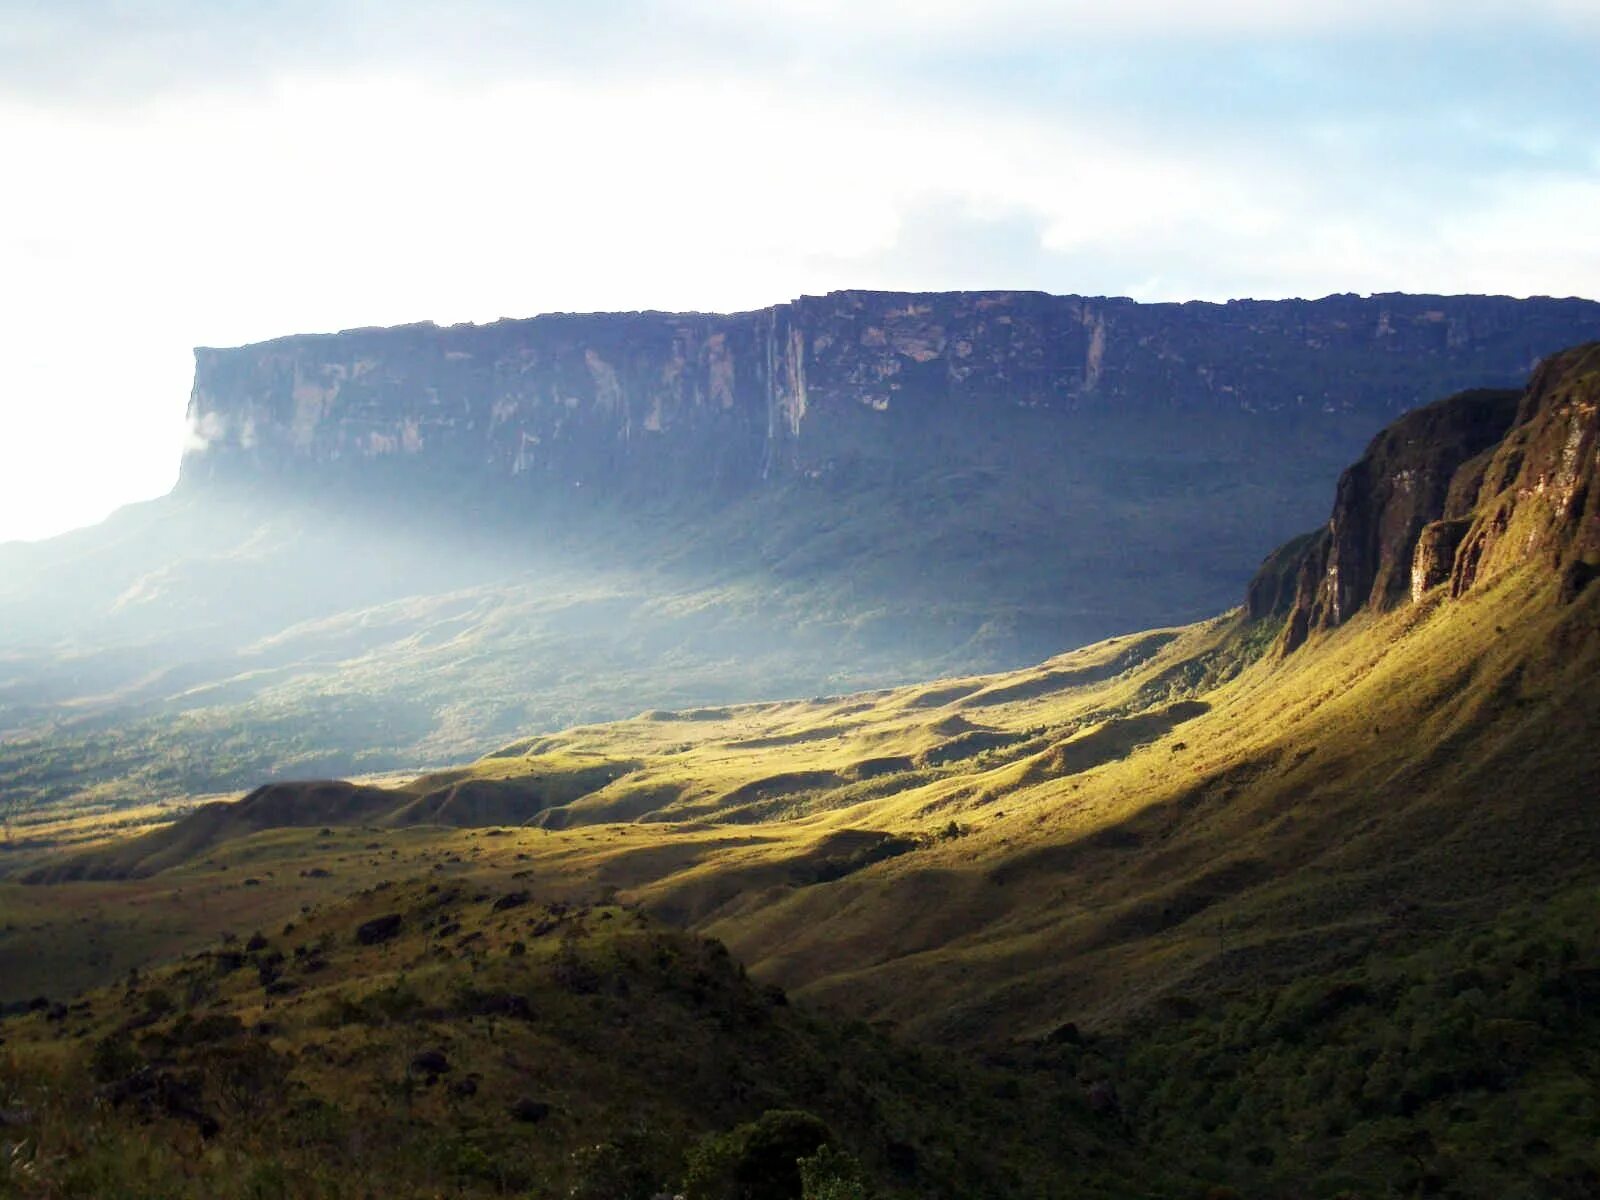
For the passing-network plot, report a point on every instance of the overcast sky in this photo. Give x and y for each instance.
(211, 172)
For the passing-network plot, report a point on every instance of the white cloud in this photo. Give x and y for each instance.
(128, 236)
(1543, 239)
(200, 432)
(1019, 21)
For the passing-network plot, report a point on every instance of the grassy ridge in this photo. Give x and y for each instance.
(435, 1038)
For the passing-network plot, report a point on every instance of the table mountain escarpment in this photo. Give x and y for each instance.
(642, 402)
(1079, 460)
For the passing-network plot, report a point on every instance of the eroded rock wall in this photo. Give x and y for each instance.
(694, 401)
(1539, 497)
(1455, 493)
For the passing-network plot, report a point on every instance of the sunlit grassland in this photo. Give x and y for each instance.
(695, 760)
(1187, 848)
(1147, 816)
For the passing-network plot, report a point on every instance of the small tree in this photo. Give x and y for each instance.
(756, 1161)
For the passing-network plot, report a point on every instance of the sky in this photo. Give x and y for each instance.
(181, 173)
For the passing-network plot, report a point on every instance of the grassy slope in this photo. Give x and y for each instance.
(1121, 837)
(1126, 829)
(288, 1066)
(1314, 797)
(1298, 914)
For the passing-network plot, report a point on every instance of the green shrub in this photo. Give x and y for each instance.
(113, 1058)
(831, 1174)
(756, 1161)
(607, 1171)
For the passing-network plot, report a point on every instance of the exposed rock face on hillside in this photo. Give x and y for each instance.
(647, 403)
(1382, 505)
(1457, 491)
(1539, 495)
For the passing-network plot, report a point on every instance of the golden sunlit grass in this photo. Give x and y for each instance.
(1144, 816)
(89, 823)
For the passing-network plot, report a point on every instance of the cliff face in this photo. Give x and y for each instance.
(1456, 492)
(1539, 495)
(1382, 505)
(705, 404)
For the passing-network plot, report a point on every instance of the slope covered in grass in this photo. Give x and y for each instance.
(425, 1039)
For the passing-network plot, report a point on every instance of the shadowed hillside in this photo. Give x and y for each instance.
(426, 1039)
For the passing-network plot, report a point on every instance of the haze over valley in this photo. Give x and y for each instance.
(402, 548)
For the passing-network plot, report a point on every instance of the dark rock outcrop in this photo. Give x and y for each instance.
(528, 1110)
(1384, 501)
(1436, 554)
(1539, 499)
(1456, 492)
(1275, 588)
(429, 1064)
(379, 929)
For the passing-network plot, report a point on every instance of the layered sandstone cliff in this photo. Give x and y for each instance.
(1455, 493)
(710, 402)
(1539, 495)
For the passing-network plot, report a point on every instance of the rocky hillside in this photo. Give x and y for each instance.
(1460, 491)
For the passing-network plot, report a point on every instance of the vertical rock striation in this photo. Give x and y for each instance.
(1457, 492)
(662, 402)
(1539, 495)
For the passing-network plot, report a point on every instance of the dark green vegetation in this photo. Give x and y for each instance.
(435, 1039)
(1296, 902)
(1462, 1063)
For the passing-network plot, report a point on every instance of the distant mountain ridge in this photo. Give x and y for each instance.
(647, 403)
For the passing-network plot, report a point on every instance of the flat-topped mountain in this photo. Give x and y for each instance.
(639, 402)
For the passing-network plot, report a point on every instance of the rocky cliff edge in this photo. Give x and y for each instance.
(1453, 494)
